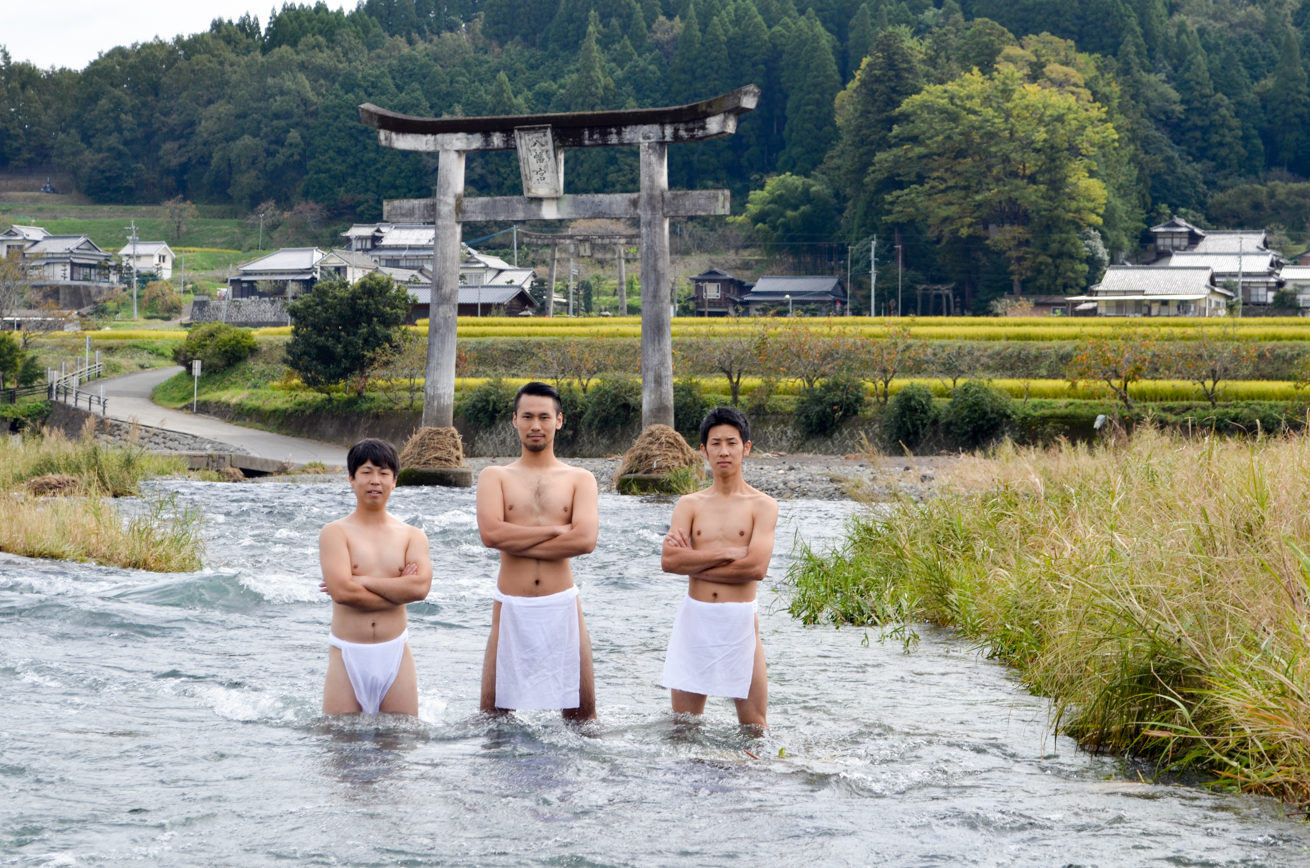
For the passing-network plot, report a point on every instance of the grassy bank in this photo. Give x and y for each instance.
(85, 525)
(1157, 590)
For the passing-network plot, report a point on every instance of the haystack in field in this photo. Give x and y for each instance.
(660, 461)
(434, 456)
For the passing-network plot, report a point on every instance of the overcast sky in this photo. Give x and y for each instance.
(72, 33)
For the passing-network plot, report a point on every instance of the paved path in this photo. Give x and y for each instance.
(129, 400)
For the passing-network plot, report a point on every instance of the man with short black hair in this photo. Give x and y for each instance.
(373, 565)
(539, 513)
(721, 538)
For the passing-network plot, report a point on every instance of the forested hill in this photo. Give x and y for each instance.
(1137, 108)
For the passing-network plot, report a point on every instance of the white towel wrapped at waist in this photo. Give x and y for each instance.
(537, 658)
(712, 649)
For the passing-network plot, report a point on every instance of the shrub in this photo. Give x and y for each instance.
(822, 408)
(337, 329)
(612, 405)
(689, 405)
(217, 345)
(977, 415)
(488, 404)
(910, 415)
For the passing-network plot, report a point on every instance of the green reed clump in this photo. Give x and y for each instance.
(115, 471)
(162, 537)
(1157, 589)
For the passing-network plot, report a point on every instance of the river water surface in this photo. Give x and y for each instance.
(173, 720)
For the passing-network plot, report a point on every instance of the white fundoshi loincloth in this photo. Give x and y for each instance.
(372, 667)
(538, 664)
(712, 649)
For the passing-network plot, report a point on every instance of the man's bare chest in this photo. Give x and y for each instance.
(720, 529)
(541, 500)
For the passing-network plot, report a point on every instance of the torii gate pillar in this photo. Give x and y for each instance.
(539, 139)
(656, 297)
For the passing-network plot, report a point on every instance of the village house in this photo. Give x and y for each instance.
(717, 293)
(1297, 279)
(16, 239)
(790, 294)
(291, 271)
(1254, 275)
(1155, 290)
(148, 257)
(511, 300)
(70, 270)
(1177, 234)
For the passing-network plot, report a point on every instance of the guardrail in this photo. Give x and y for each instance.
(75, 396)
(74, 378)
(11, 396)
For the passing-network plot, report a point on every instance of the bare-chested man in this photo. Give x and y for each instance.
(373, 564)
(539, 512)
(721, 538)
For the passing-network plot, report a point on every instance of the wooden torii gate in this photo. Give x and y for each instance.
(583, 240)
(540, 140)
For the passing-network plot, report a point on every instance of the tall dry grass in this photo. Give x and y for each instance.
(1156, 588)
(87, 526)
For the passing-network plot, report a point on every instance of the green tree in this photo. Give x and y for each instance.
(338, 329)
(865, 113)
(810, 81)
(17, 366)
(1006, 161)
(1288, 109)
(791, 210)
(590, 88)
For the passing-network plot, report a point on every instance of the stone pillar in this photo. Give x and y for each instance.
(443, 310)
(656, 301)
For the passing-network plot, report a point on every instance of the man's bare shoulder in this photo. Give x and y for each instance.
(336, 527)
(580, 475)
(759, 497)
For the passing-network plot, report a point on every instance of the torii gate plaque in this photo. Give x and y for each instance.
(539, 140)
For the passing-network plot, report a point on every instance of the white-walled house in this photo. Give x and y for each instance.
(1255, 274)
(1154, 290)
(16, 239)
(155, 257)
(292, 271)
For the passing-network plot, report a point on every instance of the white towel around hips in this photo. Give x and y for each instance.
(537, 657)
(712, 649)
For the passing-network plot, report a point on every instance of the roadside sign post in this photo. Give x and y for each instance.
(195, 382)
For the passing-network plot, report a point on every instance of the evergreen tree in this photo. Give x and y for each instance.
(684, 68)
(810, 81)
(590, 87)
(1288, 110)
(859, 40)
(865, 114)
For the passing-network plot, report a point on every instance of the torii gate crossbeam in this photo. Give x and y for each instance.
(539, 140)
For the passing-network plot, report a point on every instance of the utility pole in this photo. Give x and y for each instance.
(873, 276)
(132, 238)
(899, 311)
(516, 245)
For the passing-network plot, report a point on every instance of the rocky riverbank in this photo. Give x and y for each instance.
(784, 476)
(806, 476)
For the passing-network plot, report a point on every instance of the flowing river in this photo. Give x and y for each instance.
(174, 720)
